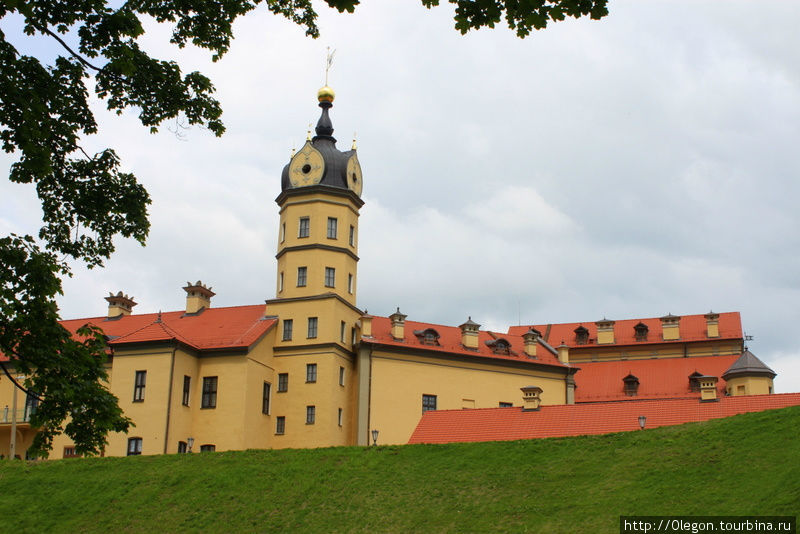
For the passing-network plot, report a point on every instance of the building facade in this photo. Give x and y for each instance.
(309, 368)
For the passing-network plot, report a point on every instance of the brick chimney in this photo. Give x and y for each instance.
(198, 296)
(398, 325)
(563, 353)
(119, 305)
(712, 324)
(531, 341)
(531, 399)
(605, 331)
(469, 334)
(670, 327)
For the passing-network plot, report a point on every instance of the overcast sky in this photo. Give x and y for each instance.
(632, 167)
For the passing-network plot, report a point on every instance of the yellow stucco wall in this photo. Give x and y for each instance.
(399, 381)
(753, 385)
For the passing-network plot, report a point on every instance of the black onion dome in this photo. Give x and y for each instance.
(335, 173)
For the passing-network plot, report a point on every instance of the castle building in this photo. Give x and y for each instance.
(309, 368)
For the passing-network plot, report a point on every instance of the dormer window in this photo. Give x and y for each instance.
(581, 335)
(631, 385)
(640, 332)
(429, 336)
(694, 382)
(499, 346)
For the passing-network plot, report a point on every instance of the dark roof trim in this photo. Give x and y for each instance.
(323, 296)
(320, 188)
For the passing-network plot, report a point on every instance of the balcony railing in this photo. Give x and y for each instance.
(23, 415)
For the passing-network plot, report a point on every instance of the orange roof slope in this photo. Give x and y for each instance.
(214, 328)
(503, 424)
(450, 342)
(658, 378)
(692, 328)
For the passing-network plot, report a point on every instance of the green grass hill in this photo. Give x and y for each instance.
(748, 464)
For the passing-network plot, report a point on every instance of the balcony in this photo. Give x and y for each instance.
(23, 415)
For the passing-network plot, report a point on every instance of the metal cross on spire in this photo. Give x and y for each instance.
(328, 62)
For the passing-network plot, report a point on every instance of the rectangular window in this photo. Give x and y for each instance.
(280, 282)
(312, 327)
(303, 228)
(283, 232)
(350, 283)
(69, 452)
(341, 331)
(283, 382)
(330, 277)
(506, 405)
(333, 227)
(340, 417)
(182, 447)
(353, 336)
(138, 386)
(311, 372)
(134, 446)
(302, 276)
(287, 329)
(311, 414)
(208, 448)
(187, 382)
(266, 397)
(280, 424)
(209, 392)
(352, 236)
(341, 376)
(428, 403)
(31, 403)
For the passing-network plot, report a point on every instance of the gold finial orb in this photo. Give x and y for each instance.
(326, 94)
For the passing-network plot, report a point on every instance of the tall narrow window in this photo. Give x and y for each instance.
(340, 417)
(350, 283)
(303, 227)
(352, 235)
(280, 424)
(283, 232)
(302, 276)
(187, 383)
(341, 376)
(330, 277)
(333, 227)
(341, 331)
(31, 403)
(134, 446)
(283, 382)
(138, 386)
(287, 329)
(428, 403)
(312, 327)
(265, 398)
(209, 392)
(280, 282)
(182, 448)
(311, 372)
(311, 414)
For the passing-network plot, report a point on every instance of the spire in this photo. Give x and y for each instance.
(324, 127)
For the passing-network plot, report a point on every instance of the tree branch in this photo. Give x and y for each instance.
(60, 40)
(17, 384)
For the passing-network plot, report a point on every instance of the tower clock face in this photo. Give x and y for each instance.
(306, 167)
(354, 175)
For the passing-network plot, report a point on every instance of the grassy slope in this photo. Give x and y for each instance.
(748, 464)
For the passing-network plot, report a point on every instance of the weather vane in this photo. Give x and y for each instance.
(328, 62)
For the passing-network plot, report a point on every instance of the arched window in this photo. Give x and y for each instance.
(499, 346)
(631, 385)
(581, 335)
(429, 336)
(640, 332)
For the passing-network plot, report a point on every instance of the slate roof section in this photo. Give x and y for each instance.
(450, 342)
(748, 365)
(236, 327)
(692, 328)
(661, 378)
(505, 424)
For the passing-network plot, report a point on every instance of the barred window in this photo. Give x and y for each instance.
(209, 392)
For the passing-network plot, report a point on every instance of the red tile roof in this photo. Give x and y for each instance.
(235, 327)
(658, 378)
(450, 342)
(692, 328)
(503, 424)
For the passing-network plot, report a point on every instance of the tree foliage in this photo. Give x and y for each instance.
(86, 199)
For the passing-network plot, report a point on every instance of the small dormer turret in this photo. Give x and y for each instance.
(119, 305)
(530, 340)
(469, 334)
(398, 325)
(198, 296)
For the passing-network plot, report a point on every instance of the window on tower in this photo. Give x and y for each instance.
(287, 330)
(303, 229)
(302, 276)
(352, 236)
(333, 227)
(330, 277)
(312, 327)
(350, 283)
